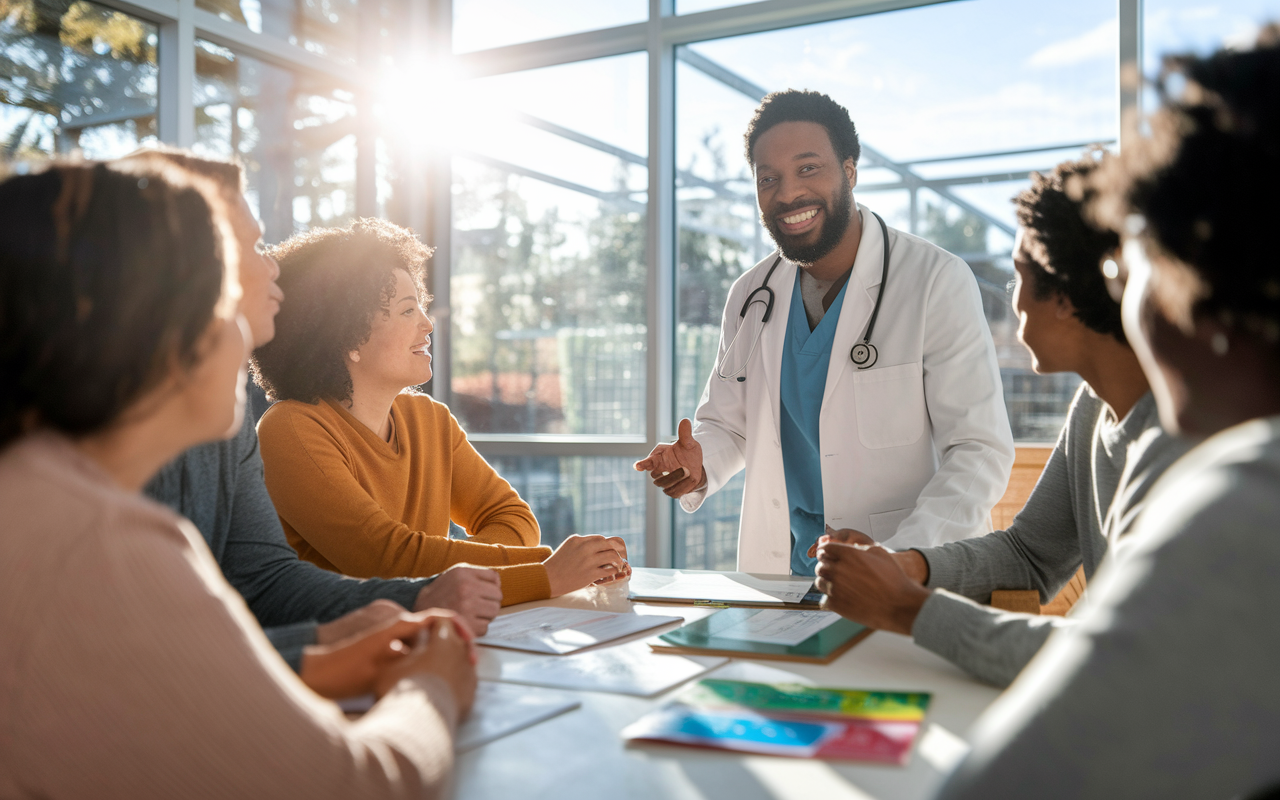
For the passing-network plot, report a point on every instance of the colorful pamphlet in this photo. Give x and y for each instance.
(789, 720)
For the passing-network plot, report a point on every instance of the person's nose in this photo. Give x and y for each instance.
(427, 325)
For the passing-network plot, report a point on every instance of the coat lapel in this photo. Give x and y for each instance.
(859, 300)
(774, 337)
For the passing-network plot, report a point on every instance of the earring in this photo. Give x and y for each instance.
(354, 355)
(1219, 344)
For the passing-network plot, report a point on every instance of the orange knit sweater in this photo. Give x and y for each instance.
(354, 504)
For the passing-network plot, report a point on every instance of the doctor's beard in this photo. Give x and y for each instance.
(834, 225)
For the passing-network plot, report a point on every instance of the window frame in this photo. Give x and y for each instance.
(428, 203)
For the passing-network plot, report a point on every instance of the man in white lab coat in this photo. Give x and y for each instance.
(857, 391)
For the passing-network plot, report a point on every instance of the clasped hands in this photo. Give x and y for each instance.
(868, 583)
(373, 648)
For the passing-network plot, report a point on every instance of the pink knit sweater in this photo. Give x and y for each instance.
(130, 668)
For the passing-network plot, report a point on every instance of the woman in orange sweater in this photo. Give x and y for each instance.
(367, 474)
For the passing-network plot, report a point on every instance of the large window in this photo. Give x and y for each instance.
(294, 133)
(578, 165)
(75, 77)
(547, 312)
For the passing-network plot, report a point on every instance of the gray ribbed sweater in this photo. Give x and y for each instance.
(1166, 685)
(219, 487)
(1067, 521)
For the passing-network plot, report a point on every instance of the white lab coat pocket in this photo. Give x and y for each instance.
(890, 406)
(885, 524)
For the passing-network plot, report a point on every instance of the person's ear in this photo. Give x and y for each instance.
(1063, 307)
(851, 171)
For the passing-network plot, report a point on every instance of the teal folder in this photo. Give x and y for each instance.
(699, 638)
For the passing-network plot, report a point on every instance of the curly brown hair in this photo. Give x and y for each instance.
(334, 281)
(1071, 247)
(1205, 186)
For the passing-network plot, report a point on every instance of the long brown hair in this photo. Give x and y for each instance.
(109, 277)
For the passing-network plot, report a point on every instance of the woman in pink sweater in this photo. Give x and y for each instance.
(129, 667)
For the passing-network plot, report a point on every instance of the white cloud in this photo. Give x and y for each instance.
(1101, 42)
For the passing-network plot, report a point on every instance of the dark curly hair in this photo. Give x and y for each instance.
(794, 105)
(1070, 248)
(334, 281)
(109, 275)
(1205, 186)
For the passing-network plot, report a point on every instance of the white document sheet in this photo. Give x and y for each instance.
(501, 709)
(728, 587)
(630, 668)
(563, 630)
(785, 627)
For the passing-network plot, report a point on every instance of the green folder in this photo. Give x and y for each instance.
(699, 638)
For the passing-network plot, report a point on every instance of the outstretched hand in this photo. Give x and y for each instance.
(866, 584)
(676, 468)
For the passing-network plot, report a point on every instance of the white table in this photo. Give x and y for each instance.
(580, 754)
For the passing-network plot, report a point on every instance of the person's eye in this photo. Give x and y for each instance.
(764, 181)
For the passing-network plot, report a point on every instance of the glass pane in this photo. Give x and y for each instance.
(548, 269)
(481, 24)
(327, 27)
(295, 134)
(581, 495)
(708, 538)
(955, 103)
(694, 6)
(75, 76)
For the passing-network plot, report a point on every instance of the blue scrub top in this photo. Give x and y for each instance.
(805, 358)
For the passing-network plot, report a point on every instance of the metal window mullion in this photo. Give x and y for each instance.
(176, 64)
(157, 11)
(1129, 69)
(437, 221)
(774, 14)
(674, 30)
(272, 50)
(660, 286)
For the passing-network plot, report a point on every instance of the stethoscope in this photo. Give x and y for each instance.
(863, 354)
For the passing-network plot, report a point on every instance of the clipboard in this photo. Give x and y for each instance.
(711, 587)
(700, 639)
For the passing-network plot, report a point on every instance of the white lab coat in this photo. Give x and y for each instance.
(915, 450)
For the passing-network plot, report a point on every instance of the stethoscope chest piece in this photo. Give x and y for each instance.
(863, 355)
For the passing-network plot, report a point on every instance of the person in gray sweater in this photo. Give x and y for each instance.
(1108, 454)
(219, 487)
(1166, 687)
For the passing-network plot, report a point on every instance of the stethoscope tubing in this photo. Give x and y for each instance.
(863, 354)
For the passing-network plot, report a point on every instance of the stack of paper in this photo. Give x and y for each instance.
(789, 720)
(734, 588)
(501, 710)
(563, 630)
(626, 669)
(498, 710)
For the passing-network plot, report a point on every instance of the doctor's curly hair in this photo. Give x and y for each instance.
(1068, 249)
(334, 280)
(794, 105)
